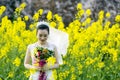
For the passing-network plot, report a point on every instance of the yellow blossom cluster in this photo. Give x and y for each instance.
(2, 9)
(93, 53)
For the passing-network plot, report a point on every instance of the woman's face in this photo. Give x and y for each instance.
(42, 35)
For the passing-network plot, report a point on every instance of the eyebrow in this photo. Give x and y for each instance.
(43, 34)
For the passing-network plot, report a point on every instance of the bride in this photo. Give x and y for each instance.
(49, 38)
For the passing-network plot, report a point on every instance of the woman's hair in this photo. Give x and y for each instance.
(43, 27)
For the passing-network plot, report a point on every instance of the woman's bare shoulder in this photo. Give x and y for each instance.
(31, 45)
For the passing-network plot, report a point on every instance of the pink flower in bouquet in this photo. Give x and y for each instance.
(39, 52)
(42, 63)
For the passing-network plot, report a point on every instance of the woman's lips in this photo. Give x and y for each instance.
(42, 40)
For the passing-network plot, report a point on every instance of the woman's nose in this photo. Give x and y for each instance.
(42, 38)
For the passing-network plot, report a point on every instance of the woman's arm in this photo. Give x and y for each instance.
(56, 65)
(27, 60)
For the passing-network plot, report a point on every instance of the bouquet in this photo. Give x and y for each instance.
(42, 55)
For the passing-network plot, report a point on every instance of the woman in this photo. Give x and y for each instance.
(42, 36)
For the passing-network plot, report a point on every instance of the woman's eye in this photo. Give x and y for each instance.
(45, 35)
(40, 35)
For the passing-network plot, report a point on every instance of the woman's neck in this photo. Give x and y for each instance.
(42, 43)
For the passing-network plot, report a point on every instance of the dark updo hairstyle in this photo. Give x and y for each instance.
(42, 27)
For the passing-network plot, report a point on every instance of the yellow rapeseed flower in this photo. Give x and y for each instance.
(49, 15)
(3, 52)
(101, 64)
(114, 52)
(10, 74)
(20, 8)
(27, 73)
(108, 14)
(81, 12)
(17, 61)
(40, 11)
(58, 18)
(89, 61)
(73, 77)
(88, 12)
(52, 24)
(45, 50)
(23, 5)
(101, 14)
(2, 9)
(54, 75)
(32, 71)
(36, 16)
(117, 18)
(51, 61)
(26, 18)
(79, 6)
(88, 20)
(61, 25)
(19, 19)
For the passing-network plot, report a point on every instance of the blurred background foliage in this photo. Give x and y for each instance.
(65, 8)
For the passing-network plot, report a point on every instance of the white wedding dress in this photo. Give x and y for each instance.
(49, 73)
(60, 40)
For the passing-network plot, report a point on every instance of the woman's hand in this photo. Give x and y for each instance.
(45, 67)
(37, 68)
